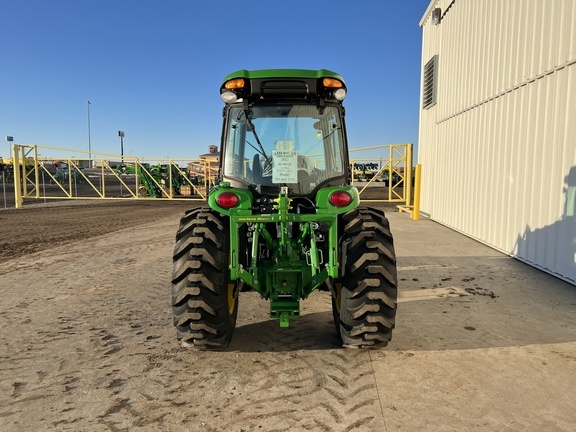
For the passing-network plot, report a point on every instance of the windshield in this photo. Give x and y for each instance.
(299, 146)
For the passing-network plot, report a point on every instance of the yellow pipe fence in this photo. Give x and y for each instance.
(42, 178)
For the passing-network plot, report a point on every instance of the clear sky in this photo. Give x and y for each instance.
(154, 68)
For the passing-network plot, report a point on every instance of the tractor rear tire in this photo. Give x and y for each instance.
(364, 305)
(204, 303)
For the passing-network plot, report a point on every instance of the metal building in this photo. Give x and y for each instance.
(498, 125)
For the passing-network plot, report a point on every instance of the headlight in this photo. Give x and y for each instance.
(340, 94)
(229, 97)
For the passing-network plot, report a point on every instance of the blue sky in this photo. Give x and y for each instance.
(153, 68)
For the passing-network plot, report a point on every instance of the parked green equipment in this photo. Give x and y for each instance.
(153, 180)
(284, 218)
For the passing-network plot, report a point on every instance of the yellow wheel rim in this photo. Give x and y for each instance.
(338, 298)
(232, 298)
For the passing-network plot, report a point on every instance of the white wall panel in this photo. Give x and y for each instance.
(499, 148)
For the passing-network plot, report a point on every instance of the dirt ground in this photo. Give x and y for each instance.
(483, 342)
(38, 227)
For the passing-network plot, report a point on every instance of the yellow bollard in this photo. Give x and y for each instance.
(417, 178)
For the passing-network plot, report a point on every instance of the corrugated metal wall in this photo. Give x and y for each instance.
(498, 149)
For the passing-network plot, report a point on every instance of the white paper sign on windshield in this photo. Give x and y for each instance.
(285, 166)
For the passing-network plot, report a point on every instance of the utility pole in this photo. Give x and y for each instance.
(9, 139)
(89, 144)
(121, 135)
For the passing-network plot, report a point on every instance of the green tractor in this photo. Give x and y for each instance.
(284, 218)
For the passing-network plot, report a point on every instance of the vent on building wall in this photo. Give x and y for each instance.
(436, 16)
(429, 83)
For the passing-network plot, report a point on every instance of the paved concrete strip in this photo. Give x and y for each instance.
(483, 342)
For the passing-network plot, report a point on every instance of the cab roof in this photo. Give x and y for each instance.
(283, 73)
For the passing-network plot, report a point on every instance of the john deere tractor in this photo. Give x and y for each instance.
(284, 219)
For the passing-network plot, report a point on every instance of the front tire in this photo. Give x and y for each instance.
(364, 305)
(204, 303)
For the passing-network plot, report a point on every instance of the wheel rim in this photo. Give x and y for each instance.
(338, 298)
(232, 298)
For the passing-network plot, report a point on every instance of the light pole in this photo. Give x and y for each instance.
(121, 135)
(9, 139)
(89, 144)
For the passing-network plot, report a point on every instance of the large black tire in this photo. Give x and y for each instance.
(204, 304)
(364, 306)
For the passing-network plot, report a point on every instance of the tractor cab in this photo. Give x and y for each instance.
(284, 128)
